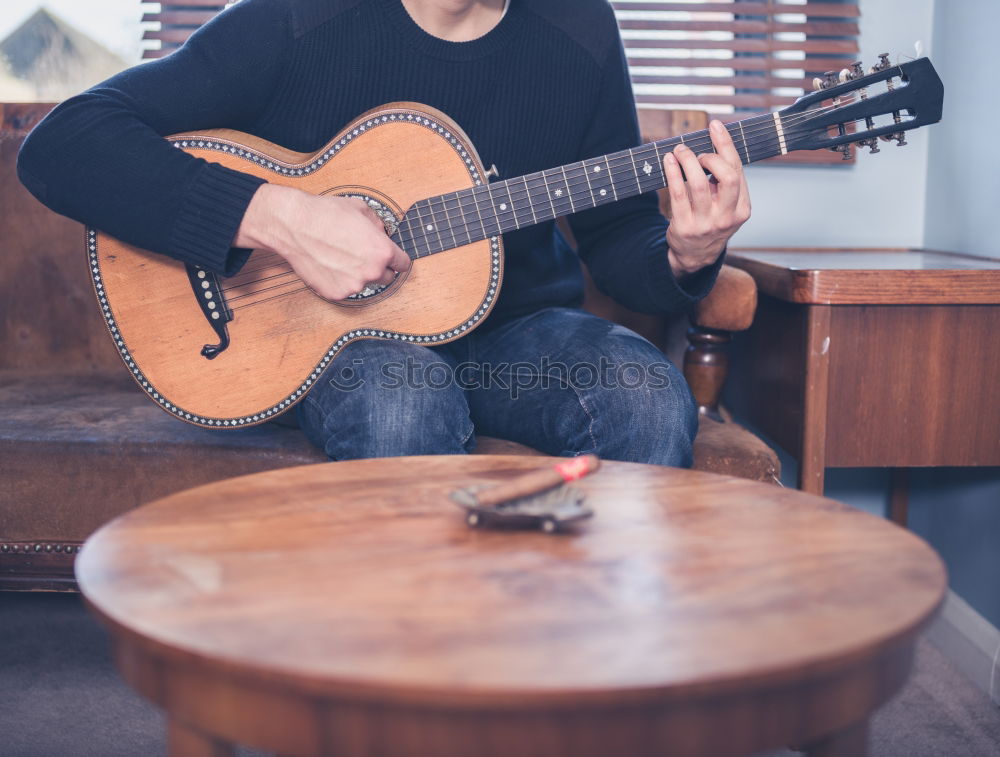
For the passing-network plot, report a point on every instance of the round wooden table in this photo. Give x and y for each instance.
(347, 609)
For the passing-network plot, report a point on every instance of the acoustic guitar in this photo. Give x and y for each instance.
(233, 352)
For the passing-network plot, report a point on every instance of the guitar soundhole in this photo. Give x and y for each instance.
(391, 227)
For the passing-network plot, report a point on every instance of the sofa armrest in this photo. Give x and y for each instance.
(728, 307)
(731, 304)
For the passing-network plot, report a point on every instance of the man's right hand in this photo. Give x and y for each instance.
(336, 245)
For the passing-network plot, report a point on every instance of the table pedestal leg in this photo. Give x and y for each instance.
(183, 741)
(851, 742)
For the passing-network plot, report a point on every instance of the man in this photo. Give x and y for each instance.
(535, 84)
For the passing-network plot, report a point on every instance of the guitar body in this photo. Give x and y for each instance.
(281, 335)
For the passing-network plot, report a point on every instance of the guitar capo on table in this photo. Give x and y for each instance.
(537, 499)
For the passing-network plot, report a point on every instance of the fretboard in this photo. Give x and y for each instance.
(470, 215)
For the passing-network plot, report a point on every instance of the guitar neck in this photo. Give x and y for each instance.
(470, 215)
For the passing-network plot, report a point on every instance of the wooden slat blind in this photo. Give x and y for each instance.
(736, 57)
(733, 57)
(178, 20)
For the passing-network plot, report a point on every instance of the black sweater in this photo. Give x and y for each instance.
(548, 86)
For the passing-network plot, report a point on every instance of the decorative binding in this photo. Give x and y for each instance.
(262, 160)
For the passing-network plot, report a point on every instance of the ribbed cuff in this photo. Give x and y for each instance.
(671, 295)
(211, 215)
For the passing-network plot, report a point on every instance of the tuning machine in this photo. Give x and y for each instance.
(829, 79)
(871, 143)
(899, 136)
(883, 63)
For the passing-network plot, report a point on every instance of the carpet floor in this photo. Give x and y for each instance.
(60, 695)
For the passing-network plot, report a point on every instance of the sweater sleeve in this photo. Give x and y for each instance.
(624, 244)
(100, 157)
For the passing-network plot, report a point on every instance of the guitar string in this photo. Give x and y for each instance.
(298, 280)
(789, 126)
(623, 161)
(620, 165)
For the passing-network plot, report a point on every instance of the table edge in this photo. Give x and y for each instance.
(361, 690)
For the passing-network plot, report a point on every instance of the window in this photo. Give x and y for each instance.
(53, 49)
(738, 57)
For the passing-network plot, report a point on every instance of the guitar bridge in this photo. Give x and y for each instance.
(208, 292)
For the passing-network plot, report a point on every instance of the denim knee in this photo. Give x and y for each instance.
(372, 402)
(648, 415)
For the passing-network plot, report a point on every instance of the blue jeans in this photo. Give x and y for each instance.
(560, 380)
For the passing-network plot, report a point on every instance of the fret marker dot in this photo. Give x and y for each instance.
(430, 227)
(597, 169)
(503, 206)
(603, 192)
(559, 193)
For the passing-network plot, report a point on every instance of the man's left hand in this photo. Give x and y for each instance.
(705, 212)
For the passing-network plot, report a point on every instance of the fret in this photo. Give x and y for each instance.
(491, 226)
(480, 231)
(538, 195)
(765, 143)
(419, 238)
(743, 140)
(559, 192)
(457, 220)
(624, 179)
(504, 205)
(449, 222)
(548, 193)
(527, 195)
(650, 168)
(590, 187)
(569, 189)
(435, 210)
(599, 178)
(404, 235)
(701, 142)
(576, 180)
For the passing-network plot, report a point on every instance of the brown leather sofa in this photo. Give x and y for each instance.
(79, 443)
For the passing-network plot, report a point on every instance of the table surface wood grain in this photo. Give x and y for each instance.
(359, 585)
(884, 276)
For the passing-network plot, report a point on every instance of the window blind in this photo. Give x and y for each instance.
(738, 57)
(175, 21)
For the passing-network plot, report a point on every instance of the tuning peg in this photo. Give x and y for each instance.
(817, 83)
(493, 173)
(872, 144)
(845, 76)
(857, 69)
(830, 79)
(845, 150)
(900, 139)
(882, 65)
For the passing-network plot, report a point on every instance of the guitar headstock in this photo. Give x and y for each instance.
(860, 108)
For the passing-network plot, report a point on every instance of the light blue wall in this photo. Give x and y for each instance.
(963, 189)
(942, 191)
(958, 511)
(871, 203)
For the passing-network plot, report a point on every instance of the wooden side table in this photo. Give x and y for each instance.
(346, 609)
(872, 358)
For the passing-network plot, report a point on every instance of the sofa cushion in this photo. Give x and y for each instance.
(78, 450)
